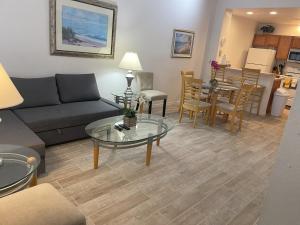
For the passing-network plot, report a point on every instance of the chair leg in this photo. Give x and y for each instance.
(180, 103)
(258, 104)
(164, 108)
(141, 108)
(190, 114)
(137, 106)
(207, 112)
(232, 123)
(150, 107)
(241, 120)
(195, 119)
(181, 114)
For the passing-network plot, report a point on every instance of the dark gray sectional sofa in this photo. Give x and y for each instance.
(56, 110)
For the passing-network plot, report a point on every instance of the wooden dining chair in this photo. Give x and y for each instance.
(183, 75)
(192, 91)
(219, 74)
(238, 107)
(251, 76)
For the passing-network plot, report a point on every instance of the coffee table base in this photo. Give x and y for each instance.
(148, 153)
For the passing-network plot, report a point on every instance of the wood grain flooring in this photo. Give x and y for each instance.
(202, 176)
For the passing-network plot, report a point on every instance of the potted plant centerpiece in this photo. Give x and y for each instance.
(129, 118)
(214, 69)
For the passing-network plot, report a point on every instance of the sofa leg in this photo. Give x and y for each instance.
(164, 108)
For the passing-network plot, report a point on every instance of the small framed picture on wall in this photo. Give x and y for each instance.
(182, 44)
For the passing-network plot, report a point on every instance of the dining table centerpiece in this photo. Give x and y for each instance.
(214, 69)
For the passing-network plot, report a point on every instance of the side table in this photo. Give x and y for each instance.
(18, 168)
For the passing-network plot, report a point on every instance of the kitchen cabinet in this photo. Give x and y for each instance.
(259, 41)
(272, 41)
(296, 43)
(265, 41)
(284, 46)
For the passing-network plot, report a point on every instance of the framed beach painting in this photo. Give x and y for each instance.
(182, 45)
(82, 28)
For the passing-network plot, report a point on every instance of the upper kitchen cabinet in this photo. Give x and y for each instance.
(284, 46)
(259, 41)
(272, 41)
(265, 41)
(296, 43)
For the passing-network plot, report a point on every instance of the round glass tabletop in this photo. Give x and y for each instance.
(17, 165)
(148, 126)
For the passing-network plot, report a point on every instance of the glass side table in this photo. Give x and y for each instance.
(18, 168)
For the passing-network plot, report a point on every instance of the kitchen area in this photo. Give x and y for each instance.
(268, 40)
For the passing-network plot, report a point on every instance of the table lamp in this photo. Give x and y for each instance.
(131, 63)
(9, 95)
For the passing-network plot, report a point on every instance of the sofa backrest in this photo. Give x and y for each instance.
(37, 91)
(77, 87)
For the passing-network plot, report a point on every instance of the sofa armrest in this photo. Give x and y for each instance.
(111, 103)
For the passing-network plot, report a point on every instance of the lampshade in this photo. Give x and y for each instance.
(9, 95)
(131, 61)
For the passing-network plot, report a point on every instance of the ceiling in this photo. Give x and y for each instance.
(289, 16)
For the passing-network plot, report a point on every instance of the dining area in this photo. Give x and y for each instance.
(224, 97)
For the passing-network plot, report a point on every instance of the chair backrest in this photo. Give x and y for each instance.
(187, 73)
(243, 96)
(145, 80)
(220, 73)
(192, 90)
(250, 76)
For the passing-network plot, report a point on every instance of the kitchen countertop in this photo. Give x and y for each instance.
(263, 73)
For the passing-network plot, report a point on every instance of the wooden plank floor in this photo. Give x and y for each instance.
(202, 176)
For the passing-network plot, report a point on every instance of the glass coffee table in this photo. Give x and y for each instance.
(18, 168)
(149, 128)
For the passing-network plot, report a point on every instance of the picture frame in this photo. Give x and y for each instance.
(182, 43)
(82, 28)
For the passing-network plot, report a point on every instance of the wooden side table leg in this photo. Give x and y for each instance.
(96, 155)
(149, 151)
(33, 180)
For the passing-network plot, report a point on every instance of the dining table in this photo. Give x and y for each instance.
(222, 87)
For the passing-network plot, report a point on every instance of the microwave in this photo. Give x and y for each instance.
(294, 55)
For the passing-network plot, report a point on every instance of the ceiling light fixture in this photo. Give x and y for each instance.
(273, 13)
(249, 13)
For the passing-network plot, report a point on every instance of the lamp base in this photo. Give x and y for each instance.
(128, 92)
(129, 78)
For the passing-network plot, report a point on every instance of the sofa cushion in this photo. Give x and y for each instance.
(37, 91)
(77, 88)
(66, 115)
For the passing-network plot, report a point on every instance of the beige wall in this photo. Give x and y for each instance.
(239, 40)
(143, 26)
(289, 30)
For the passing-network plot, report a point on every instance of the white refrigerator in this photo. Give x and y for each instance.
(259, 58)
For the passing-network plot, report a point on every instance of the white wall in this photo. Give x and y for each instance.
(238, 41)
(288, 30)
(143, 26)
